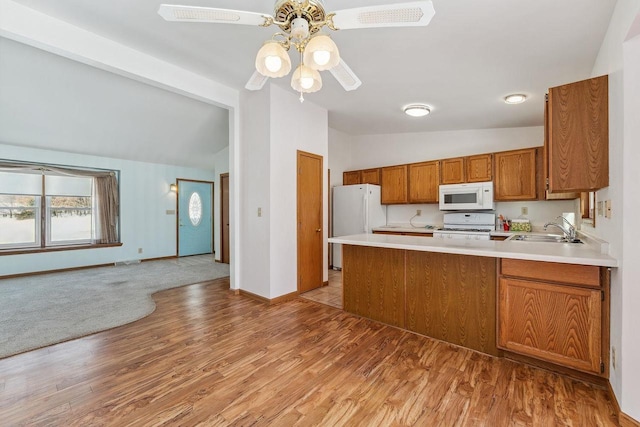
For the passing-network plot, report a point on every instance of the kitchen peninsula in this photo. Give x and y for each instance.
(546, 301)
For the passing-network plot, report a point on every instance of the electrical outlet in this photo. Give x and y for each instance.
(418, 212)
(259, 211)
(607, 209)
(524, 210)
(139, 250)
(613, 357)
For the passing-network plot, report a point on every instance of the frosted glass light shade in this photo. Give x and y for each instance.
(321, 53)
(306, 80)
(272, 60)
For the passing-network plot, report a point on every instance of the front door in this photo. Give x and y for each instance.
(195, 221)
(309, 195)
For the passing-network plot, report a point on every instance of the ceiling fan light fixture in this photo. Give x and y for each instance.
(306, 80)
(273, 60)
(516, 98)
(321, 53)
(417, 110)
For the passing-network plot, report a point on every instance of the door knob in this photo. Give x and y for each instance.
(318, 230)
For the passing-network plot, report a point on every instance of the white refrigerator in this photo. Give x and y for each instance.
(356, 210)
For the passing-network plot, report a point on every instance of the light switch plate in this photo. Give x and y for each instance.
(600, 208)
(171, 212)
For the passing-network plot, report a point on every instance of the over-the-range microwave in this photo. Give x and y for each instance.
(467, 197)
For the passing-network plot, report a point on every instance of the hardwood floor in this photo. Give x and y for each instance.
(209, 357)
(329, 295)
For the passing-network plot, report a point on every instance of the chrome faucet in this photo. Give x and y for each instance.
(569, 232)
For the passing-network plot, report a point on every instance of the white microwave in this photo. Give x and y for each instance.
(466, 197)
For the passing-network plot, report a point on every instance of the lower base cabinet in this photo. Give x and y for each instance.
(545, 313)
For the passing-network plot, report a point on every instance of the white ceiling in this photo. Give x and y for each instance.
(471, 55)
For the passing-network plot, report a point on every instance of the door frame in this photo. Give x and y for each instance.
(213, 190)
(222, 226)
(300, 153)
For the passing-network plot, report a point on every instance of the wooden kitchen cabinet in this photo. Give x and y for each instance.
(393, 180)
(424, 179)
(556, 313)
(452, 171)
(577, 136)
(479, 168)
(515, 175)
(351, 177)
(375, 278)
(452, 298)
(543, 193)
(370, 176)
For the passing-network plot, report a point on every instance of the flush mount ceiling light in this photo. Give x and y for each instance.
(417, 110)
(516, 98)
(300, 22)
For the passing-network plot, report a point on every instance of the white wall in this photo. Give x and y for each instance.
(255, 168)
(294, 126)
(393, 149)
(630, 351)
(275, 126)
(620, 62)
(339, 155)
(220, 166)
(144, 200)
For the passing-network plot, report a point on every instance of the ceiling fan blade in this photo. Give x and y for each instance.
(412, 14)
(256, 81)
(172, 12)
(345, 76)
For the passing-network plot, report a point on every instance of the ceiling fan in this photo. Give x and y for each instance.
(301, 22)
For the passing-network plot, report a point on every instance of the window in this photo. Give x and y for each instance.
(44, 206)
(195, 209)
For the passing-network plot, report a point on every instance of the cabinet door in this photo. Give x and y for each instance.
(578, 136)
(424, 179)
(394, 185)
(371, 176)
(373, 283)
(515, 175)
(351, 177)
(557, 323)
(453, 171)
(479, 168)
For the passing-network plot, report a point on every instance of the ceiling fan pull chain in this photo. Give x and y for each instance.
(301, 63)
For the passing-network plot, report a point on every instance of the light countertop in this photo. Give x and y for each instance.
(567, 253)
(404, 229)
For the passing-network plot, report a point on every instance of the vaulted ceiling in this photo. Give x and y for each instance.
(471, 55)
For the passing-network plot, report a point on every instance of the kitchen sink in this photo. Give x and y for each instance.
(545, 238)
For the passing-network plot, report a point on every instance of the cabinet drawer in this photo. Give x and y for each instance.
(574, 274)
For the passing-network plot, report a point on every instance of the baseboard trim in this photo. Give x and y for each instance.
(84, 267)
(278, 300)
(59, 270)
(623, 419)
(626, 421)
(162, 258)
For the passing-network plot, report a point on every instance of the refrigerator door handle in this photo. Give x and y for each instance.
(365, 212)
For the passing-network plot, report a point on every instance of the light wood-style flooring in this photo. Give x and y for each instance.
(209, 357)
(330, 294)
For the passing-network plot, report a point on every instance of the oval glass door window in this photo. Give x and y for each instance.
(195, 209)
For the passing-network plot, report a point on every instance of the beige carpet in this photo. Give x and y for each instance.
(41, 310)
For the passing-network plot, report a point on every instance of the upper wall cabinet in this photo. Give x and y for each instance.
(476, 168)
(479, 168)
(515, 175)
(371, 176)
(423, 182)
(393, 180)
(351, 177)
(452, 171)
(577, 136)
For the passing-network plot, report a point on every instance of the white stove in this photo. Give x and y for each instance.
(467, 226)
